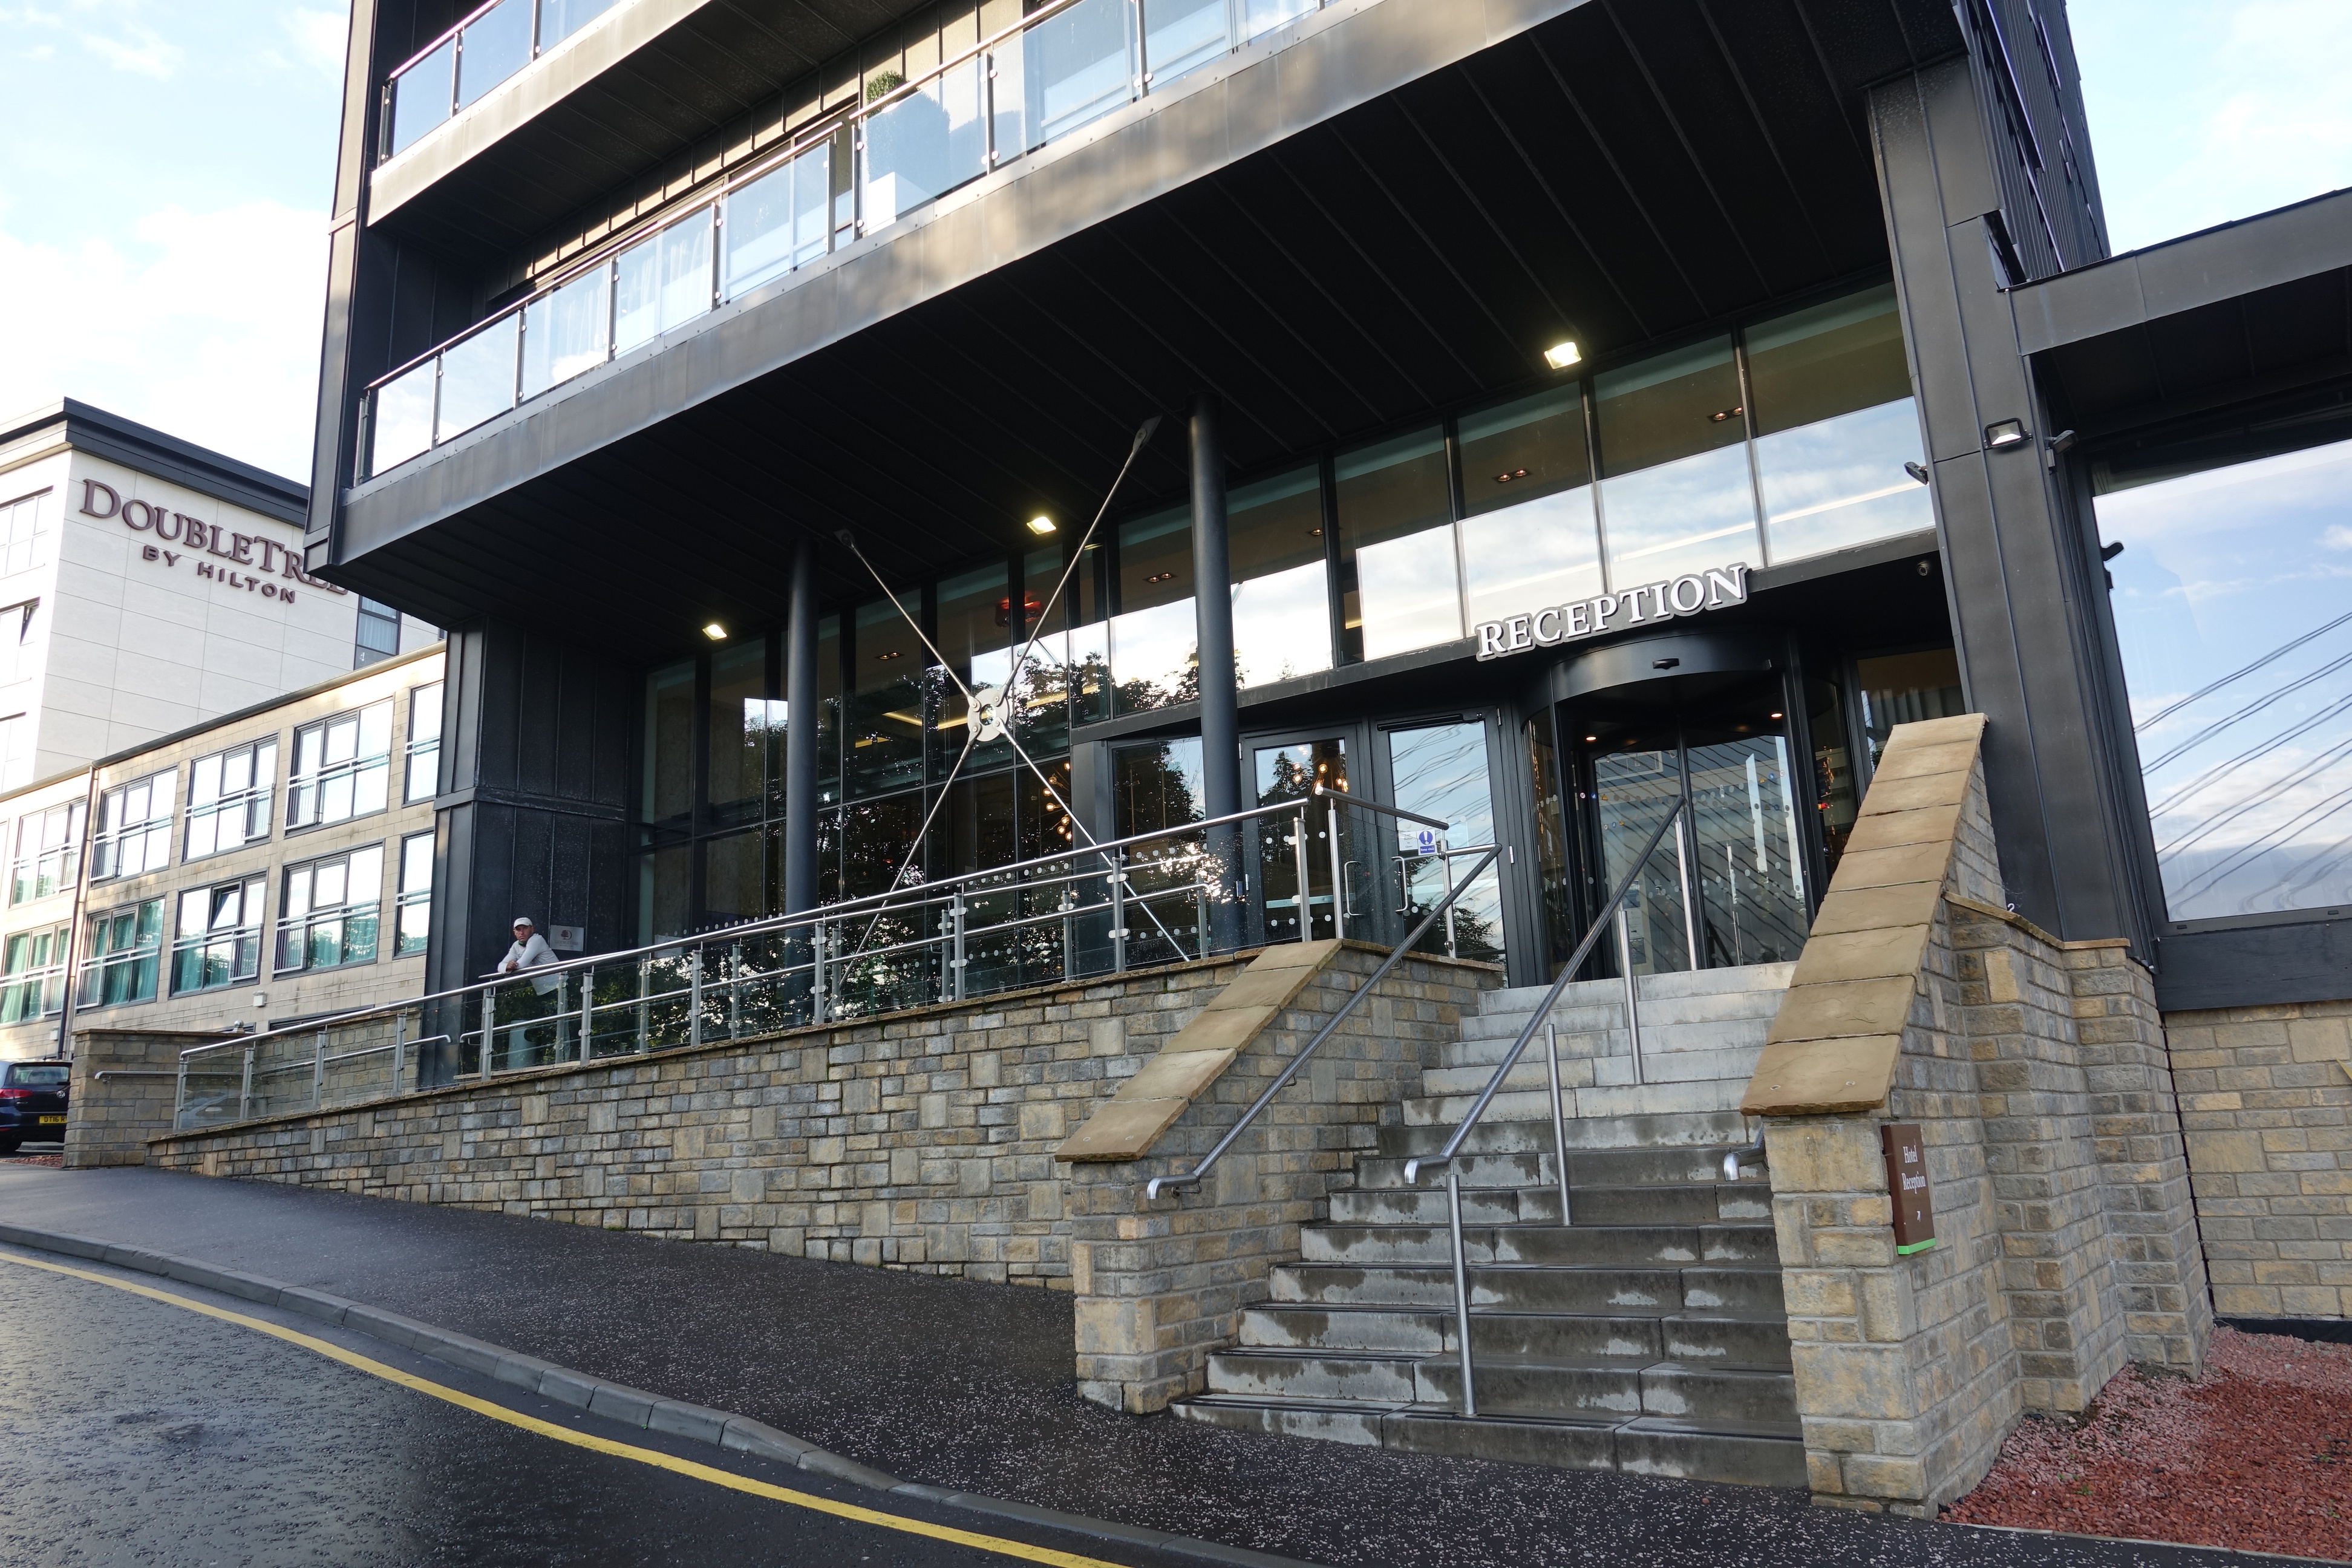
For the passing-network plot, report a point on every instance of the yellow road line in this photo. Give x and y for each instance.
(584, 1440)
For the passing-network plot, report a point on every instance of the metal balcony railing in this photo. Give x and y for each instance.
(1294, 870)
(846, 175)
(458, 67)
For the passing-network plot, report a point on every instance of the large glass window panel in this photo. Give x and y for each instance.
(1265, 15)
(496, 45)
(1179, 35)
(1155, 559)
(558, 19)
(1905, 688)
(1157, 784)
(1400, 586)
(567, 331)
(402, 426)
(668, 791)
(48, 852)
(412, 918)
(477, 377)
(662, 282)
(2237, 650)
(745, 733)
(1440, 771)
(1528, 538)
(31, 975)
(828, 716)
(1528, 447)
(926, 144)
(134, 828)
(218, 939)
(126, 948)
(1077, 66)
(665, 893)
(1676, 493)
(1835, 424)
(1282, 601)
(884, 733)
(421, 95)
(735, 877)
(341, 767)
(1153, 641)
(1041, 690)
(329, 912)
(424, 769)
(974, 636)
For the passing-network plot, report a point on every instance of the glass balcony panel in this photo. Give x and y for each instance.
(1260, 17)
(477, 377)
(558, 19)
(1397, 541)
(1676, 491)
(662, 282)
(1542, 553)
(928, 142)
(567, 332)
(1153, 657)
(812, 185)
(1842, 482)
(403, 427)
(1079, 66)
(422, 94)
(494, 46)
(759, 230)
(1179, 35)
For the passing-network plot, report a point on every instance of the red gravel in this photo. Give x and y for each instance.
(54, 1162)
(2255, 1455)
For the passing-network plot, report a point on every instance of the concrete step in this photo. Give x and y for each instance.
(1671, 1025)
(1732, 1288)
(1648, 988)
(1582, 1247)
(1699, 1339)
(1648, 1445)
(1616, 1163)
(1660, 1096)
(1690, 1203)
(1707, 1396)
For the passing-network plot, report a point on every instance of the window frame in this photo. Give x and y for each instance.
(52, 977)
(261, 793)
(353, 768)
(149, 829)
(252, 926)
(414, 750)
(310, 917)
(69, 850)
(96, 966)
(406, 897)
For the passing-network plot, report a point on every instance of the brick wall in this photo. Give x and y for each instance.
(2267, 1099)
(114, 1116)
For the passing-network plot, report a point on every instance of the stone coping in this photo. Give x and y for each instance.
(475, 1085)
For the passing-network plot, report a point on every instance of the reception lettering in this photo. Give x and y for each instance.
(1554, 624)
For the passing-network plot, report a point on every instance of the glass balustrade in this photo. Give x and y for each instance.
(480, 52)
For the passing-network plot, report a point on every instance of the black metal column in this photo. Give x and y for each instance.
(800, 721)
(1213, 613)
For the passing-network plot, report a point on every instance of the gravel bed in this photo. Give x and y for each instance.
(2256, 1455)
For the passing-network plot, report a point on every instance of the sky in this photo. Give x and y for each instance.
(166, 169)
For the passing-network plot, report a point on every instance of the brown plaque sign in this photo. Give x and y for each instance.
(1907, 1183)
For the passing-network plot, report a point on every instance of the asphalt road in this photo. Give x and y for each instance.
(132, 1431)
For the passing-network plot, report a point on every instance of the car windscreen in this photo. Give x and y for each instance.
(28, 1075)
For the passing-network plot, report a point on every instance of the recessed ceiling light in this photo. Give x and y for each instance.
(1040, 524)
(1775, 715)
(1161, 577)
(1559, 356)
(714, 632)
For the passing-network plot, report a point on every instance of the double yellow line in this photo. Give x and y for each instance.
(652, 1456)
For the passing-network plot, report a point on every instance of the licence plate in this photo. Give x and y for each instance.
(52, 1120)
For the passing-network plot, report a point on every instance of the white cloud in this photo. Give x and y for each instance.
(206, 325)
(318, 39)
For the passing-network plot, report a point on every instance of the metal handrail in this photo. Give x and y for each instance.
(905, 900)
(1151, 1189)
(1540, 1019)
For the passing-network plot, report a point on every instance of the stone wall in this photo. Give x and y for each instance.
(2266, 1094)
(125, 1084)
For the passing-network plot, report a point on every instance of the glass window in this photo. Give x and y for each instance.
(1905, 687)
(1154, 640)
(218, 941)
(665, 892)
(422, 779)
(15, 751)
(329, 914)
(228, 797)
(134, 828)
(1400, 589)
(746, 731)
(1836, 799)
(342, 767)
(2237, 651)
(1042, 698)
(32, 976)
(1157, 784)
(412, 914)
(126, 949)
(663, 282)
(668, 795)
(975, 620)
(477, 377)
(19, 650)
(1282, 597)
(48, 852)
(24, 532)
(885, 750)
(378, 634)
(1835, 424)
(566, 330)
(1527, 533)
(828, 701)
(926, 143)
(1440, 771)
(736, 879)
(1675, 493)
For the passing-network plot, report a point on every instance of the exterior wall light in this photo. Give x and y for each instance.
(714, 632)
(1559, 356)
(2004, 434)
(1040, 525)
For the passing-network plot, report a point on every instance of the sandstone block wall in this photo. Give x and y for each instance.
(2267, 1097)
(112, 1116)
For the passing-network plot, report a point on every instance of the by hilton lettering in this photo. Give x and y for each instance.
(1557, 624)
(275, 565)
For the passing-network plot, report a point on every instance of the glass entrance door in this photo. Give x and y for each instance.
(1282, 773)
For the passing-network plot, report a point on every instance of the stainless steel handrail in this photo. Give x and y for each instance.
(1152, 1188)
(1540, 1019)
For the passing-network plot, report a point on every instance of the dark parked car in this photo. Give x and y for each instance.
(32, 1103)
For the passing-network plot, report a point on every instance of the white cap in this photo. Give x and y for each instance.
(520, 920)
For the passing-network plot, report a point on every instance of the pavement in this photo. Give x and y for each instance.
(965, 1387)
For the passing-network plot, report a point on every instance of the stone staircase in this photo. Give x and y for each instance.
(1649, 1335)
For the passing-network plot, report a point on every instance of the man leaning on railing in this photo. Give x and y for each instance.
(529, 951)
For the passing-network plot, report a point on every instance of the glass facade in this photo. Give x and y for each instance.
(2237, 654)
(217, 940)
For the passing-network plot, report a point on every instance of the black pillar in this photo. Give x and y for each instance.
(801, 719)
(1212, 620)
(2018, 566)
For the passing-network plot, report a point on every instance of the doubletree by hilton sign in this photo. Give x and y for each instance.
(268, 575)
(1554, 624)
